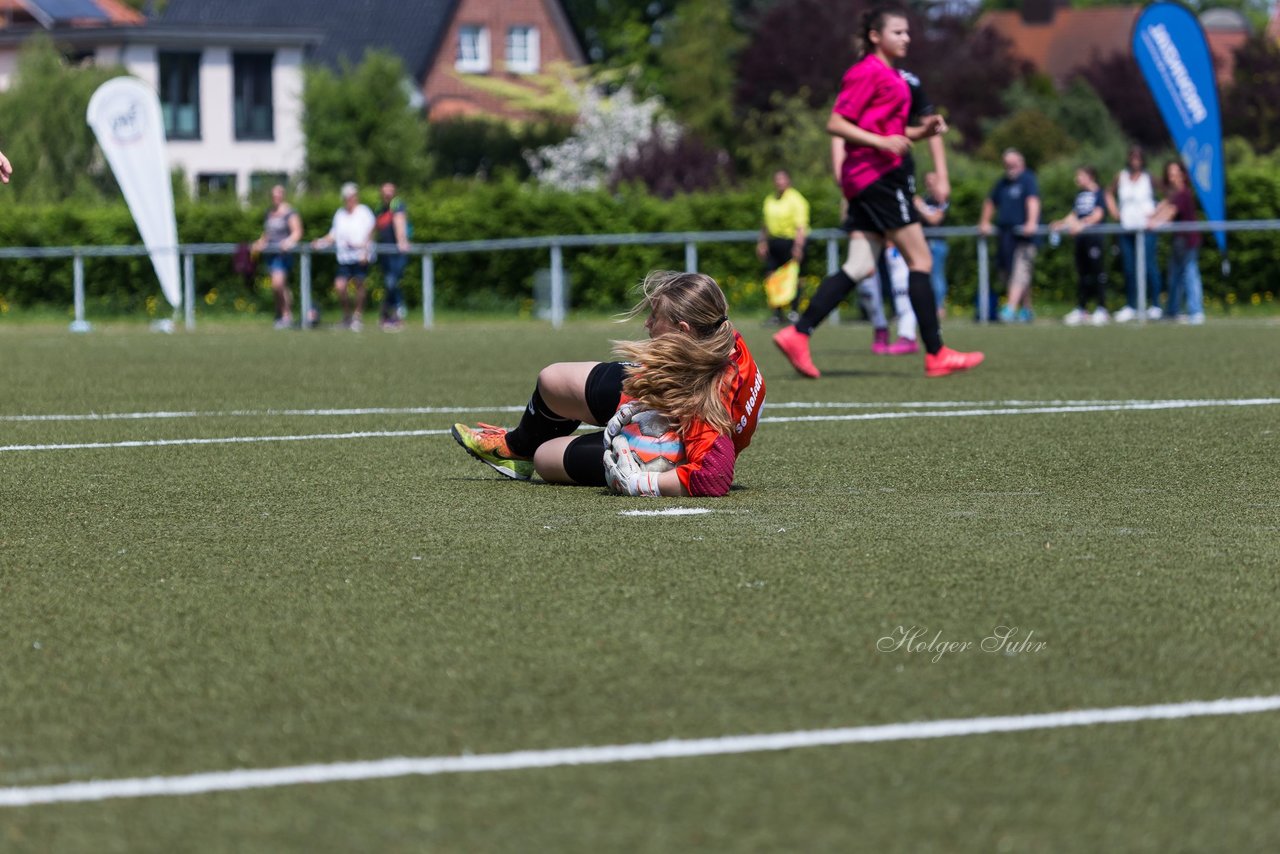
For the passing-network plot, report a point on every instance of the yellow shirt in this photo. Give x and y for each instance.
(784, 215)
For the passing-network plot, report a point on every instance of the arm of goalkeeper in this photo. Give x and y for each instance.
(623, 475)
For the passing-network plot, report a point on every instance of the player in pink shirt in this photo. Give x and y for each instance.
(870, 115)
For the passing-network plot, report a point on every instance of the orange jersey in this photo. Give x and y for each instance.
(742, 391)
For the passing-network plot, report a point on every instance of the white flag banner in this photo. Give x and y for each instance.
(125, 116)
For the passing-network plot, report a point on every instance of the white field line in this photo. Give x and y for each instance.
(1126, 406)
(381, 769)
(670, 511)
(262, 413)
(1029, 409)
(453, 410)
(229, 440)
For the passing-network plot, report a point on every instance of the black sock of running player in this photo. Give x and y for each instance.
(923, 303)
(833, 289)
(537, 425)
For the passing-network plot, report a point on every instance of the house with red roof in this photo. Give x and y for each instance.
(1057, 39)
(230, 72)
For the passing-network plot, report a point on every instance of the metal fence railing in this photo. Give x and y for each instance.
(555, 245)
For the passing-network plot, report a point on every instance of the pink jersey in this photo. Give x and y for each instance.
(875, 98)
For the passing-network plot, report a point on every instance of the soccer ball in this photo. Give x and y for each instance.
(655, 441)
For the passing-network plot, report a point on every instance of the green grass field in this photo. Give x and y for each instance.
(169, 608)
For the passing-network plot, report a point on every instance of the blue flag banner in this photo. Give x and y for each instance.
(1171, 50)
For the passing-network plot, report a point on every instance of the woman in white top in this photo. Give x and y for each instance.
(1131, 199)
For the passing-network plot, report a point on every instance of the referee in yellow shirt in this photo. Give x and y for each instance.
(786, 227)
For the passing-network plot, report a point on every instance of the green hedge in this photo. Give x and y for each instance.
(600, 277)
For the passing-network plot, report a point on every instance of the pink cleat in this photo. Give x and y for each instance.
(880, 343)
(902, 347)
(795, 346)
(948, 361)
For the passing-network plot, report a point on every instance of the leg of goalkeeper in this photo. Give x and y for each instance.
(556, 407)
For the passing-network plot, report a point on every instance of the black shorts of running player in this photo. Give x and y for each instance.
(885, 206)
(584, 458)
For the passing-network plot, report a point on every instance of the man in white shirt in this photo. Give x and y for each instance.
(352, 236)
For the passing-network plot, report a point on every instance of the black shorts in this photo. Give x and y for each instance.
(885, 206)
(584, 458)
(779, 252)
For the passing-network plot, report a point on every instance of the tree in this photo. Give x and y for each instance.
(797, 46)
(685, 165)
(695, 60)
(610, 129)
(360, 126)
(49, 139)
(1251, 107)
(1121, 86)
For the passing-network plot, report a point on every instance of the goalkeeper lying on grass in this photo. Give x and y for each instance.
(695, 369)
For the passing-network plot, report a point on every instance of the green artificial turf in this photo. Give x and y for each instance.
(185, 608)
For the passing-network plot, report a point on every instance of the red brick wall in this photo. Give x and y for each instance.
(447, 93)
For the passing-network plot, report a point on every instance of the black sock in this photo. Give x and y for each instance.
(537, 425)
(925, 305)
(833, 289)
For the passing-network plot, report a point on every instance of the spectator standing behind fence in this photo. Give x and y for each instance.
(933, 212)
(352, 236)
(281, 232)
(1088, 209)
(1184, 259)
(393, 228)
(1131, 199)
(785, 231)
(6, 170)
(1015, 203)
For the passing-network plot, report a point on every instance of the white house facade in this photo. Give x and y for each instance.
(232, 99)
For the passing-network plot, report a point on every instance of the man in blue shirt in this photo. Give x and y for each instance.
(1015, 204)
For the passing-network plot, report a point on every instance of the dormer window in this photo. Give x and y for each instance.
(522, 50)
(473, 49)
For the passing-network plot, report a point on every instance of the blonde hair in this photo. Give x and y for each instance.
(681, 374)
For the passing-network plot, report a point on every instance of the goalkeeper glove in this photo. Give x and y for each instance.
(623, 475)
(621, 419)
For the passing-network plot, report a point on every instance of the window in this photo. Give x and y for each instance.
(180, 94)
(215, 184)
(473, 49)
(522, 50)
(252, 95)
(260, 183)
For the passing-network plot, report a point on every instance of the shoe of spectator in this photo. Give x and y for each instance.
(795, 346)
(1025, 315)
(284, 323)
(1191, 319)
(1125, 314)
(1075, 317)
(948, 361)
(1154, 312)
(1100, 317)
(1007, 315)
